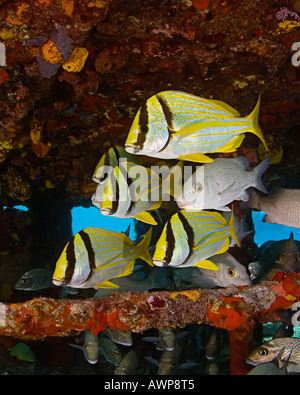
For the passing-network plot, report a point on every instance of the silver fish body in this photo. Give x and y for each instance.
(94, 256)
(130, 192)
(281, 349)
(174, 124)
(282, 207)
(189, 238)
(215, 185)
(109, 350)
(128, 364)
(35, 279)
(230, 272)
(119, 336)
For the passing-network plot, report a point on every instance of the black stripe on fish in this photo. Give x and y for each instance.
(170, 244)
(129, 181)
(169, 119)
(71, 261)
(167, 113)
(189, 232)
(88, 245)
(116, 153)
(143, 125)
(115, 202)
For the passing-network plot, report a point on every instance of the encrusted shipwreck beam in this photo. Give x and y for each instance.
(232, 308)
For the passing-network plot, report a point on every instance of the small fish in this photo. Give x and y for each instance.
(94, 256)
(35, 279)
(281, 348)
(23, 352)
(230, 272)
(165, 340)
(215, 185)
(119, 336)
(128, 364)
(174, 124)
(288, 260)
(189, 238)
(90, 348)
(214, 343)
(282, 207)
(137, 282)
(282, 255)
(126, 196)
(109, 161)
(109, 350)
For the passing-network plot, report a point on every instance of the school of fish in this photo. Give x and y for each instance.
(191, 249)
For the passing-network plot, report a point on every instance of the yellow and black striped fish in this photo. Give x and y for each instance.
(174, 124)
(94, 256)
(109, 160)
(128, 191)
(189, 238)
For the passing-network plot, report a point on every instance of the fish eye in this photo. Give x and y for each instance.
(263, 352)
(231, 272)
(198, 187)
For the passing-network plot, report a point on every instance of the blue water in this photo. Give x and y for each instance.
(265, 231)
(83, 217)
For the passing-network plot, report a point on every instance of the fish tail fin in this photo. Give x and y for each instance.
(253, 118)
(232, 224)
(143, 246)
(258, 172)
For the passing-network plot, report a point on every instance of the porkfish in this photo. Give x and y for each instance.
(189, 238)
(94, 256)
(130, 193)
(109, 160)
(174, 124)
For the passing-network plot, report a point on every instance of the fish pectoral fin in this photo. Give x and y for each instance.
(232, 145)
(146, 217)
(201, 158)
(207, 264)
(107, 284)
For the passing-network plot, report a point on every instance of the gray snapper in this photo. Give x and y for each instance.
(282, 207)
(215, 185)
(230, 272)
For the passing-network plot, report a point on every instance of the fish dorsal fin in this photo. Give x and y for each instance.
(207, 264)
(146, 217)
(107, 284)
(200, 158)
(232, 145)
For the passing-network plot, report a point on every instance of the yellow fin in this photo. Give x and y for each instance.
(232, 224)
(207, 264)
(146, 217)
(143, 245)
(232, 145)
(201, 158)
(253, 118)
(107, 284)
